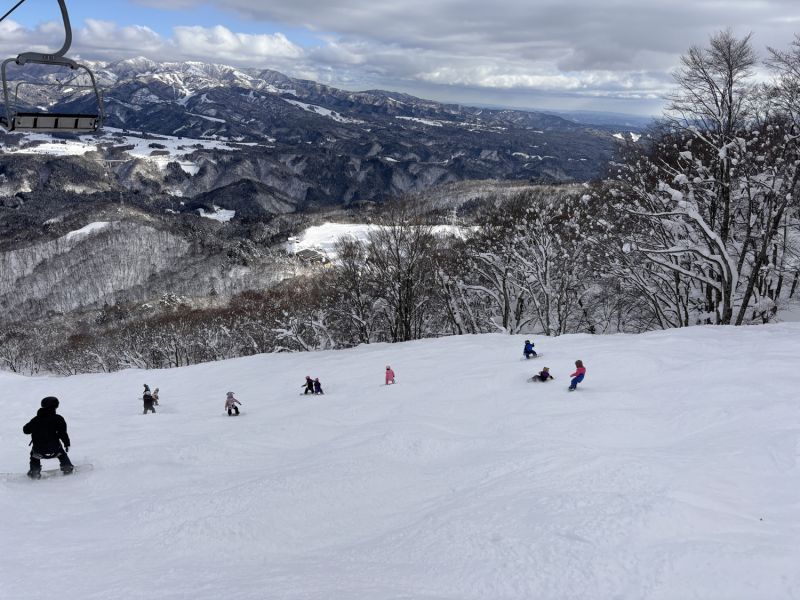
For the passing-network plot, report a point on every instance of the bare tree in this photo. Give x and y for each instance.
(400, 266)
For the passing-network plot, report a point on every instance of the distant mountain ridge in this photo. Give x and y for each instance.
(257, 151)
(316, 145)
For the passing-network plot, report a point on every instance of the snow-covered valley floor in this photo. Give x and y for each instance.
(671, 474)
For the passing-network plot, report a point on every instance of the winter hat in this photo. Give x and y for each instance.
(546, 369)
(387, 367)
(50, 402)
(146, 387)
(230, 394)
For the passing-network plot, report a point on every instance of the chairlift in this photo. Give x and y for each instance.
(44, 120)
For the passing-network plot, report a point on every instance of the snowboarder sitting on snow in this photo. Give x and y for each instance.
(48, 430)
(318, 387)
(543, 375)
(148, 400)
(528, 351)
(389, 375)
(577, 376)
(309, 385)
(230, 404)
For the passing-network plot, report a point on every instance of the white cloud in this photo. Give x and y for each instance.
(618, 49)
(221, 44)
(108, 37)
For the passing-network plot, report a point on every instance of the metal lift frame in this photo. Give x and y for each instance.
(44, 121)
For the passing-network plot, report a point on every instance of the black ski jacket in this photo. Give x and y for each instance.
(47, 430)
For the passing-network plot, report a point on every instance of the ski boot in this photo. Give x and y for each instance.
(67, 469)
(34, 474)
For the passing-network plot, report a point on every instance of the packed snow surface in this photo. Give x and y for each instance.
(671, 473)
(324, 237)
(430, 122)
(321, 110)
(87, 230)
(158, 149)
(223, 215)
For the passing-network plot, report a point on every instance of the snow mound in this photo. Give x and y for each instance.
(671, 473)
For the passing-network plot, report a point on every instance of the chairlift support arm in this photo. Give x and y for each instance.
(57, 58)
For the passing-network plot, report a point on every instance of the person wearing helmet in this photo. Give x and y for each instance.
(309, 385)
(318, 387)
(528, 351)
(148, 400)
(577, 376)
(48, 431)
(230, 405)
(543, 375)
(389, 375)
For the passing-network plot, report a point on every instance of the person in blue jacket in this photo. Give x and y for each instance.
(528, 351)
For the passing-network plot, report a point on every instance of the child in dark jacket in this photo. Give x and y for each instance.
(528, 351)
(48, 431)
(543, 375)
(309, 385)
(577, 376)
(148, 400)
(318, 387)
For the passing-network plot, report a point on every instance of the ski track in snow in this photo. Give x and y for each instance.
(671, 473)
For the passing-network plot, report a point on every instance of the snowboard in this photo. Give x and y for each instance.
(46, 473)
(534, 379)
(538, 355)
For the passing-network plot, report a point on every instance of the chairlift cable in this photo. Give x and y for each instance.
(16, 6)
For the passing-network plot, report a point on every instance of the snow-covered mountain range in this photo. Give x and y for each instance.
(253, 149)
(313, 144)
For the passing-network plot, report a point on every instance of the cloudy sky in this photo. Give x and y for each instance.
(610, 55)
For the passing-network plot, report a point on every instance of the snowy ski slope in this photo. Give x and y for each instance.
(672, 473)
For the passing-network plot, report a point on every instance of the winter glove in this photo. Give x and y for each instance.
(66, 448)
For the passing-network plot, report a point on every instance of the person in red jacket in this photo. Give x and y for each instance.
(389, 375)
(577, 376)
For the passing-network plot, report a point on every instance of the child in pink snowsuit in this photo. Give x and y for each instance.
(578, 375)
(230, 404)
(389, 375)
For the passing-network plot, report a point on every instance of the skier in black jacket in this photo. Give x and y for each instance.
(48, 430)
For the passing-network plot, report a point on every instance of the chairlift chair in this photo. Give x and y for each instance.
(44, 120)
